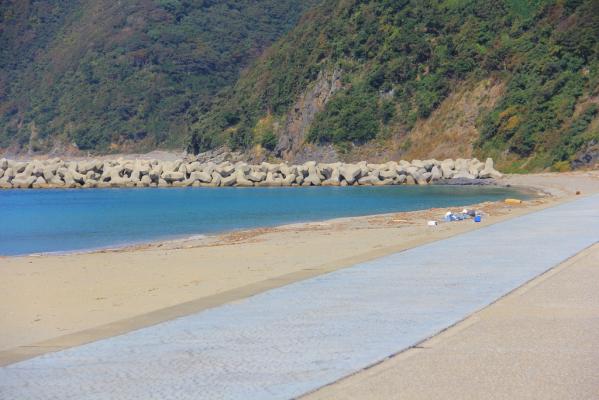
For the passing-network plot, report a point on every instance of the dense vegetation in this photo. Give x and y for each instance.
(137, 74)
(400, 59)
(103, 74)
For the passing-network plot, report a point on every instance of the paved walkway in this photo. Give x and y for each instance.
(539, 342)
(294, 339)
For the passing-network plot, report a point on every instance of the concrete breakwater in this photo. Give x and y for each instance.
(57, 173)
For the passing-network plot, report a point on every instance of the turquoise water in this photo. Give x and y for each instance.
(36, 221)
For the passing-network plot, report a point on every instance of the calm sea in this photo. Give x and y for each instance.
(36, 221)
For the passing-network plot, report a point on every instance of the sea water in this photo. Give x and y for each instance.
(40, 221)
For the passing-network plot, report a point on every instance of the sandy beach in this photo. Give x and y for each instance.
(56, 301)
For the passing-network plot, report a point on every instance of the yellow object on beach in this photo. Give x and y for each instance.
(513, 201)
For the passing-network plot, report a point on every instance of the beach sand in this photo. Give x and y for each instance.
(51, 302)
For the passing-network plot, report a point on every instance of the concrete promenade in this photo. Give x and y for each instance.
(291, 340)
(539, 342)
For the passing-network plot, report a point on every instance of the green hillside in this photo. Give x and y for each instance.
(399, 60)
(107, 75)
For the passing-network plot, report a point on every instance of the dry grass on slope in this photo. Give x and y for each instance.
(451, 129)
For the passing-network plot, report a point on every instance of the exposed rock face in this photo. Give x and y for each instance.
(588, 156)
(220, 155)
(152, 173)
(304, 111)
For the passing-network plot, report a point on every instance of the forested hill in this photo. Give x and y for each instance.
(108, 75)
(514, 79)
(517, 80)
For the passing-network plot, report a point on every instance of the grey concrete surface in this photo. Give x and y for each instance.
(294, 339)
(539, 342)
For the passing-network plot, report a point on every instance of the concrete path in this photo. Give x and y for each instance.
(539, 342)
(291, 340)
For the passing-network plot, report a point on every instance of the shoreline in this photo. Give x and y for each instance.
(524, 192)
(117, 247)
(66, 300)
(366, 312)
